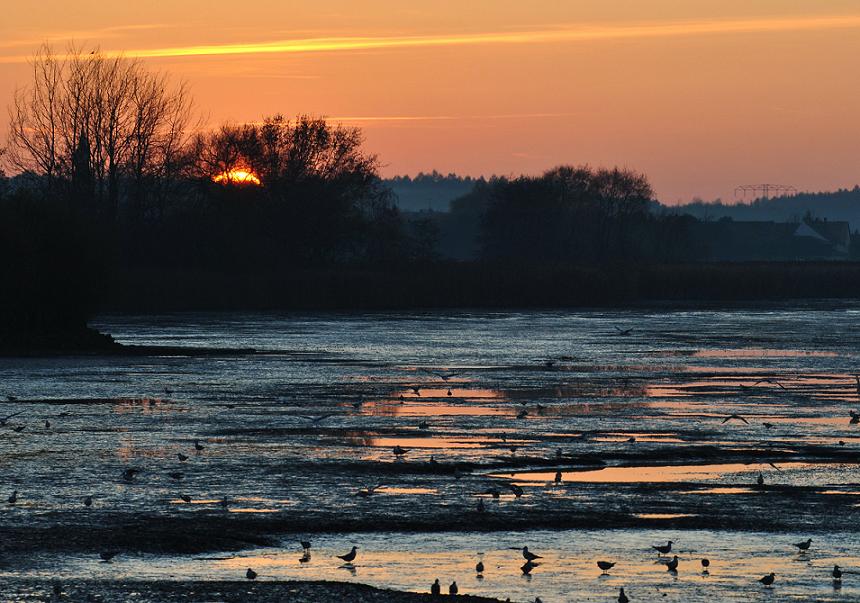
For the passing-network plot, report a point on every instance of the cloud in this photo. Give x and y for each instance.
(561, 34)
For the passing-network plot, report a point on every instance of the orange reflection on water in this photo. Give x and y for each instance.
(761, 353)
(663, 515)
(414, 409)
(655, 474)
(456, 392)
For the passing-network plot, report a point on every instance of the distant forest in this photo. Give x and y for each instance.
(122, 201)
(843, 204)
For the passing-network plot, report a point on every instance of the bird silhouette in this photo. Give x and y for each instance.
(558, 477)
(528, 566)
(517, 490)
(350, 556)
(803, 546)
(185, 498)
(855, 417)
(529, 556)
(14, 498)
(198, 446)
(622, 598)
(663, 549)
(736, 417)
(400, 451)
(623, 332)
(479, 568)
(181, 457)
(128, 474)
(251, 574)
(837, 573)
(88, 501)
(5, 419)
(306, 545)
(605, 566)
(107, 556)
(436, 588)
(453, 590)
(706, 563)
(768, 580)
(673, 564)
(760, 479)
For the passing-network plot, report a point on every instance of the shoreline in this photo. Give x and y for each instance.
(165, 591)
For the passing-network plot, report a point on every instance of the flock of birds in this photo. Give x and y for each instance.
(533, 560)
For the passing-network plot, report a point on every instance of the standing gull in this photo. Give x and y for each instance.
(529, 556)
(663, 549)
(350, 556)
(768, 580)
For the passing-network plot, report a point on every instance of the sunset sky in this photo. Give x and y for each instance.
(701, 95)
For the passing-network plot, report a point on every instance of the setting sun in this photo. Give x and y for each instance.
(238, 176)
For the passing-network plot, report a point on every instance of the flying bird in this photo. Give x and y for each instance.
(181, 457)
(319, 419)
(735, 416)
(623, 332)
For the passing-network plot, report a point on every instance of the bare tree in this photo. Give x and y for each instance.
(132, 124)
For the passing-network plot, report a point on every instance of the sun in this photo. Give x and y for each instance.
(238, 176)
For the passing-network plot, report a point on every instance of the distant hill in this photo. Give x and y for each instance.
(839, 205)
(431, 191)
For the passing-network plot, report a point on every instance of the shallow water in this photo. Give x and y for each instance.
(637, 425)
(566, 572)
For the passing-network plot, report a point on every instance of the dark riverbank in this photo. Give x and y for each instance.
(477, 285)
(168, 591)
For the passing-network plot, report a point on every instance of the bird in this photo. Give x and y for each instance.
(479, 568)
(181, 457)
(19, 428)
(14, 498)
(760, 479)
(251, 574)
(803, 546)
(768, 580)
(673, 564)
(453, 590)
(350, 556)
(855, 417)
(735, 416)
(423, 425)
(47, 424)
(108, 555)
(663, 549)
(605, 565)
(436, 588)
(558, 477)
(400, 451)
(416, 390)
(517, 490)
(528, 566)
(770, 381)
(529, 556)
(522, 414)
(175, 475)
(837, 573)
(631, 440)
(706, 563)
(88, 501)
(306, 545)
(5, 419)
(129, 473)
(368, 491)
(198, 446)
(624, 332)
(622, 598)
(185, 497)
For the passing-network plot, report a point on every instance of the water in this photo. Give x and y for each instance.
(292, 434)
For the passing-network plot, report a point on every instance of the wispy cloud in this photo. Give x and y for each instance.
(561, 34)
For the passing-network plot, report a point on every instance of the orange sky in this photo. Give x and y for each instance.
(701, 95)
